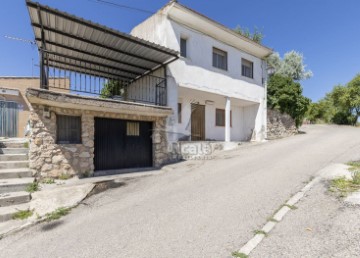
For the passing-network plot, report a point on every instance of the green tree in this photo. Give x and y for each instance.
(342, 105)
(322, 111)
(256, 36)
(285, 94)
(292, 65)
(354, 97)
(114, 88)
(347, 102)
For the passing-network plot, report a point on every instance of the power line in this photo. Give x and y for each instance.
(121, 6)
(21, 39)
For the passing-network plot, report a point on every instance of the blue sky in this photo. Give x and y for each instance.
(327, 32)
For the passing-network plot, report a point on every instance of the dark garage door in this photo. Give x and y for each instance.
(122, 144)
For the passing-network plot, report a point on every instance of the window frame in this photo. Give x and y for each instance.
(179, 112)
(132, 129)
(224, 112)
(58, 130)
(183, 40)
(215, 61)
(251, 68)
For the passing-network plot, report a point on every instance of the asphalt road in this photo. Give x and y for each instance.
(200, 209)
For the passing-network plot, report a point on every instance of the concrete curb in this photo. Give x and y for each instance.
(277, 217)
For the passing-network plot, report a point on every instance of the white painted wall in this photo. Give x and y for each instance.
(197, 73)
(243, 116)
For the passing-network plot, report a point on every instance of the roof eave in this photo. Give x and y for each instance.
(257, 49)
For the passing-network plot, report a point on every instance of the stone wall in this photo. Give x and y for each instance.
(49, 159)
(279, 125)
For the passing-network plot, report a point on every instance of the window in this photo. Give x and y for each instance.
(183, 47)
(219, 59)
(132, 129)
(247, 68)
(68, 129)
(220, 117)
(179, 113)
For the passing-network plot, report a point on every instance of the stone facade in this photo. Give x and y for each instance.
(49, 159)
(279, 125)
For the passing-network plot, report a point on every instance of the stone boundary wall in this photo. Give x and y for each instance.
(49, 159)
(279, 125)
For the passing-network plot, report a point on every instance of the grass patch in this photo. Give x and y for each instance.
(272, 220)
(26, 145)
(345, 186)
(64, 177)
(48, 181)
(33, 187)
(57, 214)
(21, 215)
(293, 207)
(262, 232)
(354, 164)
(239, 255)
(356, 177)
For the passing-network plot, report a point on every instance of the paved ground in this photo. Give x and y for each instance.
(322, 226)
(200, 209)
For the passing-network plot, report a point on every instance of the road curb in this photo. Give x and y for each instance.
(277, 217)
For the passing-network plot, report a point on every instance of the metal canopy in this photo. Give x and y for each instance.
(75, 44)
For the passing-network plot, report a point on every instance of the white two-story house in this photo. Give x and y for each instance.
(217, 88)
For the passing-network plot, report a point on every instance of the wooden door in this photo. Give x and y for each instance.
(197, 122)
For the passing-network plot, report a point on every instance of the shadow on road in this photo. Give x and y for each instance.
(51, 225)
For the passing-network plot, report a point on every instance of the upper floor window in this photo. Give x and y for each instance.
(247, 68)
(220, 59)
(183, 47)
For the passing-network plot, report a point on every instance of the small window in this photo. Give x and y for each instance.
(220, 117)
(183, 47)
(179, 113)
(220, 59)
(68, 129)
(132, 129)
(247, 68)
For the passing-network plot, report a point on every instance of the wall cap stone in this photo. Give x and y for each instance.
(66, 100)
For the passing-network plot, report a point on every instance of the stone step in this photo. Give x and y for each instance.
(14, 164)
(14, 198)
(14, 151)
(13, 157)
(15, 173)
(15, 184)
(6, 213)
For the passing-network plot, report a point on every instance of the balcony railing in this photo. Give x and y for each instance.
(76, 77)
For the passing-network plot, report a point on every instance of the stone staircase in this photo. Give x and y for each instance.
(15, 176)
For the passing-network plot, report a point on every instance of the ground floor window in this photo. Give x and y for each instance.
(220, 117)
(68, 129)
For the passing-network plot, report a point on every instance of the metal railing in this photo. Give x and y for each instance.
(73, 76)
